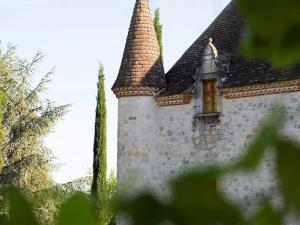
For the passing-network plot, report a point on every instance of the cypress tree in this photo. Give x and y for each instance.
(158, 28)
(99, 184)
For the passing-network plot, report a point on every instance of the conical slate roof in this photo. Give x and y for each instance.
(141, 68)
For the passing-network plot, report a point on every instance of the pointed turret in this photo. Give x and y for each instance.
(141, 72)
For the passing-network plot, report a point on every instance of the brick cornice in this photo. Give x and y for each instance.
(135, 91)
(236, 92)
(261, 89)
(180, 99)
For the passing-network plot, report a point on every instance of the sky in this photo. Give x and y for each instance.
(75, 35)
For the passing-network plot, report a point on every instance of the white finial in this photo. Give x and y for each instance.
(210, 40)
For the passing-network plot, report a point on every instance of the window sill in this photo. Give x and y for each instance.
(208, 117)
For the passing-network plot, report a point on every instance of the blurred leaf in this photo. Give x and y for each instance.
(267, 216)
(143, 210)
(288, 168)
(3, 219)
(273, 30)
(77, 211)
(265, 139)
(20, 211)
(197, 201)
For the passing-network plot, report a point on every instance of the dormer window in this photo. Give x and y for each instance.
(207, 102)
(210, 96)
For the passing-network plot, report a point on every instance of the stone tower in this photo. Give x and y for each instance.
(140, 77)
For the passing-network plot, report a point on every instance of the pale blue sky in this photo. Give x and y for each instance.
(74, 35)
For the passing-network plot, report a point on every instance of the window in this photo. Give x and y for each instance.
(210, 96)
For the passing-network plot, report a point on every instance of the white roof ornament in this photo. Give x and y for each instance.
(214, 49)
(209, 59)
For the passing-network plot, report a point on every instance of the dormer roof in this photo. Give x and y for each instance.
(209, 59)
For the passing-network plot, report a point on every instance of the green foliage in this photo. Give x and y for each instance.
(158, 29)
(112, 184)
(273, 30)
(3, 103)
(47, 203)
(196, 197)
(288, 155)
(99, 189)
(77, 211)
(27, 119)
(112, 192)
(20, 210)
(267, 215)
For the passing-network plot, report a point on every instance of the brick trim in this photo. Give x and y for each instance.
(135, 91)
(181, 99)
(261, 89)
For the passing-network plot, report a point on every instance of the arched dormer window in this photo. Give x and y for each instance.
(206, 81)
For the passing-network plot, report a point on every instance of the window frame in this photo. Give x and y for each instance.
(210, 97)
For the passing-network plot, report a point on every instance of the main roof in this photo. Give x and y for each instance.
(141, 65)
(225, 31)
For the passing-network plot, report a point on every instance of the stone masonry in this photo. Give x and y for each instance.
(157, 143)
(162, 130)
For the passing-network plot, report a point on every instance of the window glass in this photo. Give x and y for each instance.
(210, 96)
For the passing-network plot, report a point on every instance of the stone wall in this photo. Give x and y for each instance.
(156, 143)
(137, 143)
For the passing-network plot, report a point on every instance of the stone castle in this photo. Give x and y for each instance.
(204, 111)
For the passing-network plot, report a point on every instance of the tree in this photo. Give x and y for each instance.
(158, 29)
(27, 119)
(47, 203)
(99, 185)
(112, 185)
(3, 101)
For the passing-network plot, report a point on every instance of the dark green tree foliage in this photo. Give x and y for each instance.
(158, 28)
(27, 119)
(273, 30)
(76, 210)
(99, 190)
(48, 202)
(112, 185)
(3, 102)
